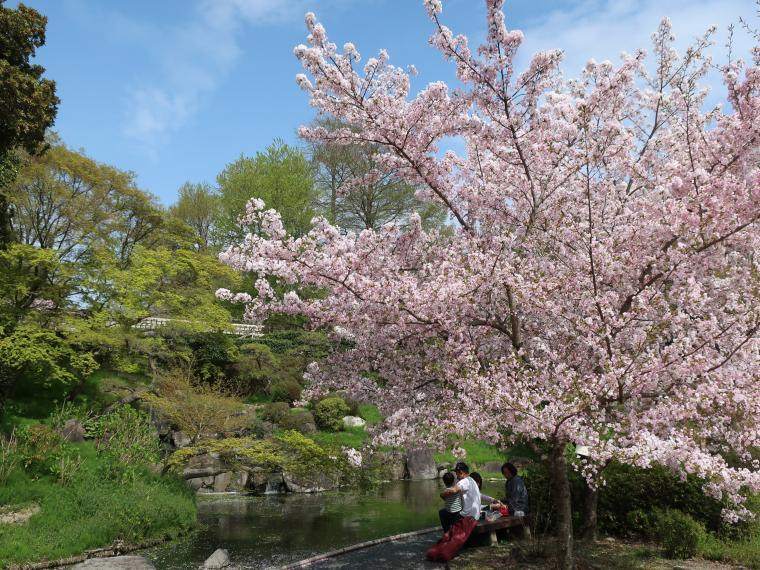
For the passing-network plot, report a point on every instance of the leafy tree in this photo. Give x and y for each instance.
(28, 104)
(357, 190)
(35, 359)
(176, 284)
(198, 207)
(281, 176)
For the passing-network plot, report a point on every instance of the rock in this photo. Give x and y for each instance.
(219, 559)
(222, 481)
(420, 464)
(353, 421)
(239, 481)
(204, 465)
(180, 439)
(116, 563)
(520, 462)
(10, 516)
(492, 467)
(314, 484)
(72, 431)
(394, 465)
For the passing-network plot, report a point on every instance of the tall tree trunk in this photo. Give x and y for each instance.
(6, 231)
(590, 500)
(562, 503)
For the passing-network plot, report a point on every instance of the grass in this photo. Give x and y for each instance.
(370, 414)
(92, 511)
(349, 437)
(746, 552)
(478, 453)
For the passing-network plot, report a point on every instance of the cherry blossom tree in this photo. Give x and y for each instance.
(601, 287)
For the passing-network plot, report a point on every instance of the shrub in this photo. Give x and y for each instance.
(679, 534)
(630, 488)
(301, 421)
(40, 446)
(274, 412)
(329, 413)
(196, 409)
(285, 391)
(128, 436)
(9, 457)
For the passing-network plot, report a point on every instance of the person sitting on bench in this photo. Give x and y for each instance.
(470, 497)
(517, 494)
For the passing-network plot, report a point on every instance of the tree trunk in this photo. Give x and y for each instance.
(561, 497)
(590, 500)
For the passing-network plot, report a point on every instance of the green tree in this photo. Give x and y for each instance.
(356, 191)
(28, 104)
(198, 207)
(281, 176)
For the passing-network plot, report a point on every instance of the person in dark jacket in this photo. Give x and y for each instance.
(516, 492)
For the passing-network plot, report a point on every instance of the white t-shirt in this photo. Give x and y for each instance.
(471, 496)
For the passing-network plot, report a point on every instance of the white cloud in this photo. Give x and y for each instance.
(190, 60)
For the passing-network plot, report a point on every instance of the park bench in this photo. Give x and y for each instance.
(490, 527)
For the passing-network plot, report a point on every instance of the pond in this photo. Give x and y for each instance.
(273, 530)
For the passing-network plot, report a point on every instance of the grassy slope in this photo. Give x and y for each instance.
(92, 511)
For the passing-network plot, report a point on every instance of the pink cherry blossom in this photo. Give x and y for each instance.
(600, 286)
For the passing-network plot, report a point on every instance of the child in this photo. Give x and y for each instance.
(453, 502)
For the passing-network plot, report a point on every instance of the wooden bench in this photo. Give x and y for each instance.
(491, 527)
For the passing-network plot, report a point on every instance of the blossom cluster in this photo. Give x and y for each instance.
(600, 284)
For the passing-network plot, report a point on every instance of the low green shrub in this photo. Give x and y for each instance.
(301, 421)
(128, 436)
(285, 391)
(630, 488)
(678, 533)
(274, 412)
(329, 413)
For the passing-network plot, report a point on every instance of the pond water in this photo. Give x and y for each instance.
(272, 530)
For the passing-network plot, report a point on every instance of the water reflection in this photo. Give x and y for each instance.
(272, 530)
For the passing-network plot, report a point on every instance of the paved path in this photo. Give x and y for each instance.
(408, 553)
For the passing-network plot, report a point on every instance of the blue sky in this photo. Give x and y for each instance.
(175, 89)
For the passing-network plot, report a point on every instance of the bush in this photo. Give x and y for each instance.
(630, 488)
(274, 412)
(329, 413)
(679, 534)
(285, 391)
(301, 421)
(196, 409)
(127, 435)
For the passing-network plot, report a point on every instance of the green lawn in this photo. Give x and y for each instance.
(91, 511)
(349, 437)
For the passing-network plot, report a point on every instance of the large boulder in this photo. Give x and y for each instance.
(222, 482)
(312, 484)
(204, 465)
(219, 559)
(116, 563)
(394, 465)
(492, 467)
(72, 431)
(420, 464)
(202, 484)
(353, 421)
